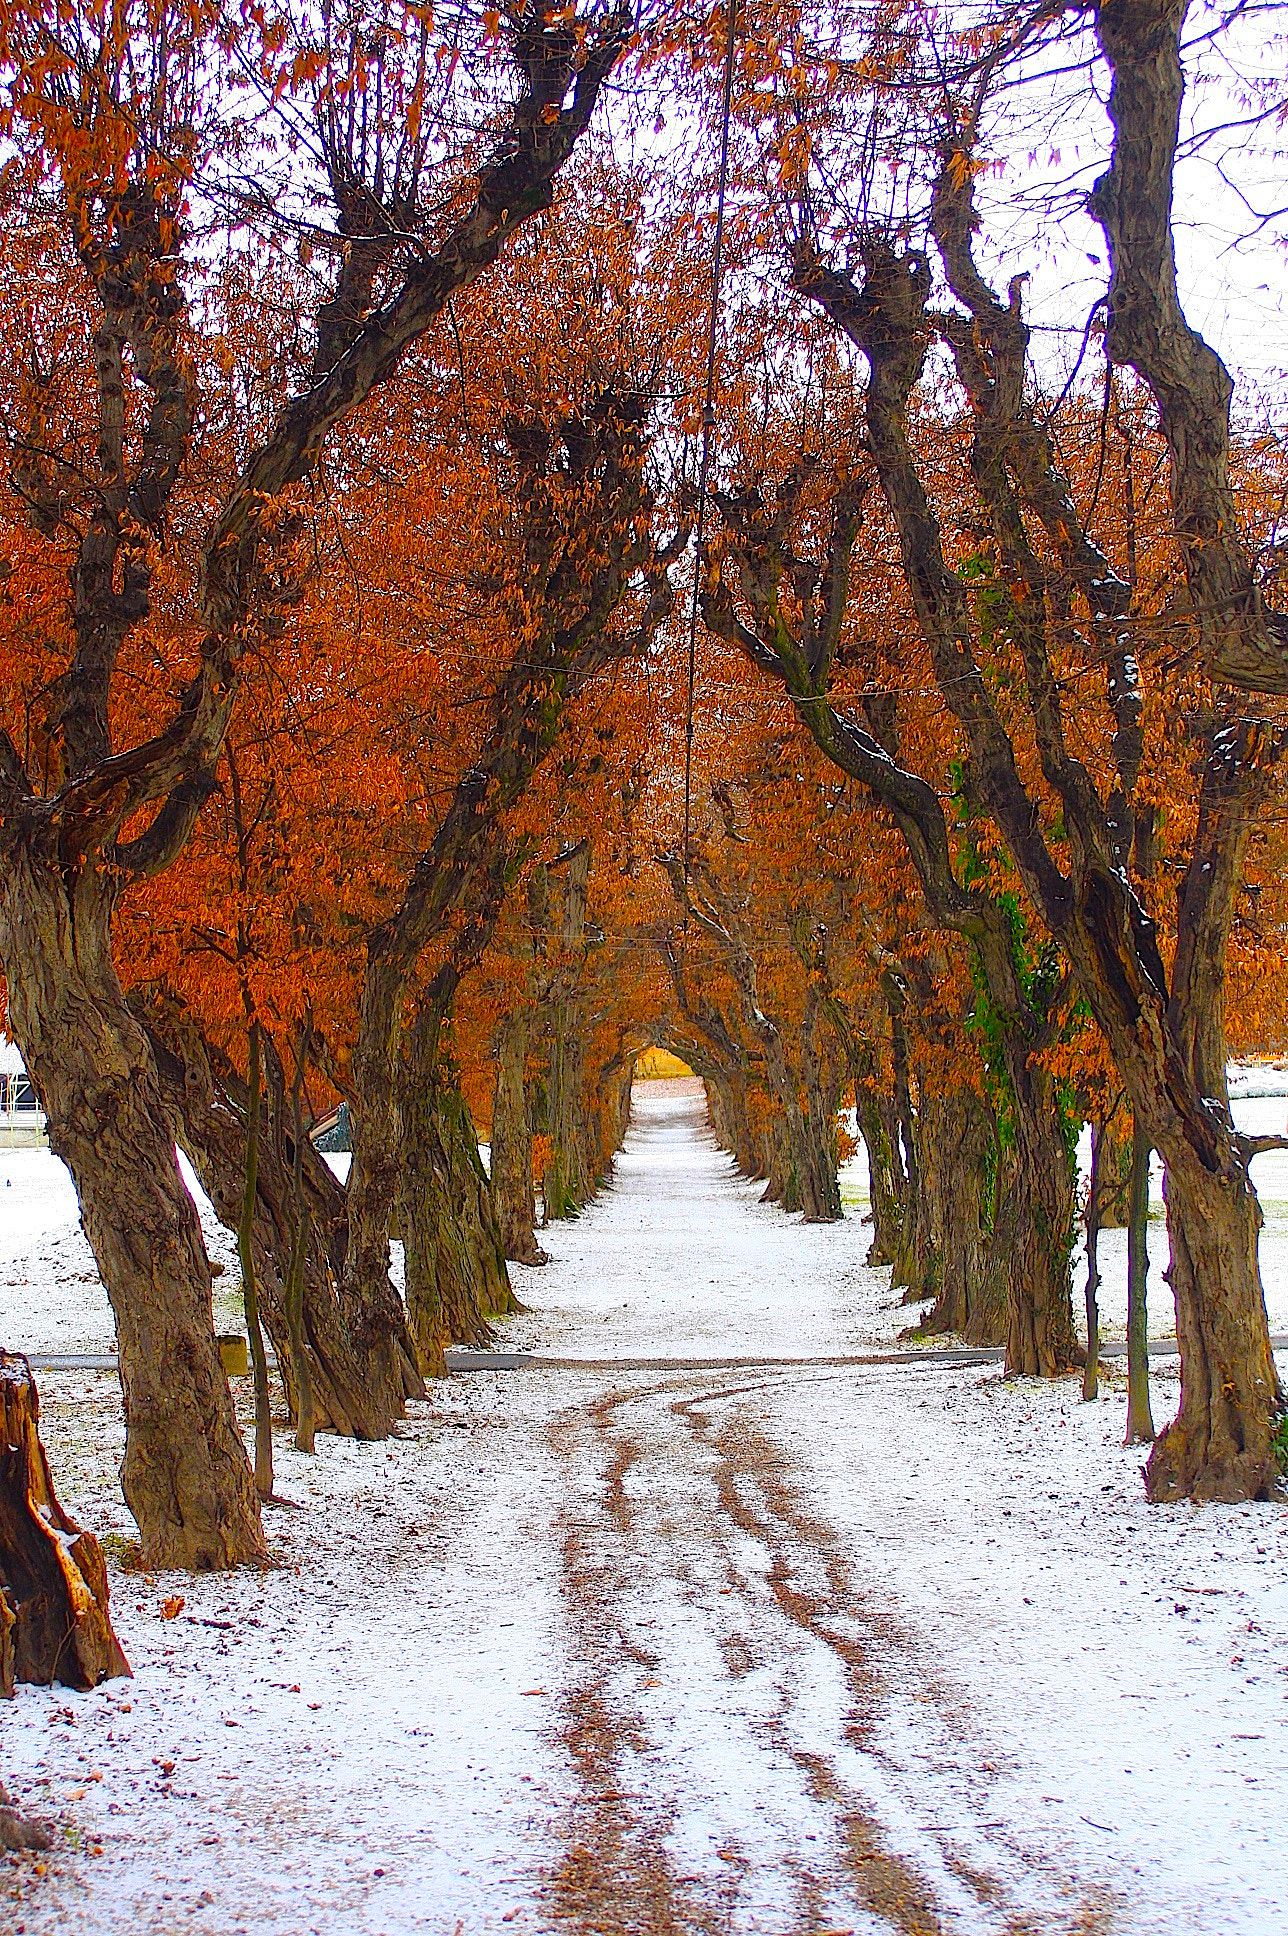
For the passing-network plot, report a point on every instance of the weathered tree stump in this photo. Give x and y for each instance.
(54, 1623)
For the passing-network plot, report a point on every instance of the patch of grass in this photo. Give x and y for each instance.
(1280, 1443)
(127, 1553)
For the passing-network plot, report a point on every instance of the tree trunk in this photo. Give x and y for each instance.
(820, 1191)
(250, 1299)
(185, 1474)
(372, 1310)
(1033, 1233)
(1221, 1444)
(1140, 1418)
(304, 1408)
(731, 1122)
(570, 1181)
(54, 1622)
(614, 1110)
(1115, 1174)
(205, 1100)
(954, 1139)
(456, 1276)
(1090, 1370)
(512, 1188)
(888, 1186)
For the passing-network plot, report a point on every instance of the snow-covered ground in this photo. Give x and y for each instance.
(776, 1649)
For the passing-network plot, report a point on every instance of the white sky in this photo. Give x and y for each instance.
(1234, 283)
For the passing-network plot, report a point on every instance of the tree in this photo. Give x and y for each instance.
(1057, 609)
(119, 125)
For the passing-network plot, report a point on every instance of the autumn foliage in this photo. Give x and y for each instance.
(351, 375)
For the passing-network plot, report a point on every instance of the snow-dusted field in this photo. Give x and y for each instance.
(774, 1649)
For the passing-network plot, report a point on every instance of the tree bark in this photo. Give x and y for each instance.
(1115, 1175)
(206, 1103)
(54, 1622)
(822, 1191)
(185, 1474)
(955, 1141)
(878, 1126)
(373, 1312)
(1090, 1370)
(731, 1122)
(304, 1408)
(513, 1193)
(1033, 1232)
(456, 1279)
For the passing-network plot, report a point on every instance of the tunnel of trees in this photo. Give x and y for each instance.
(352, 749)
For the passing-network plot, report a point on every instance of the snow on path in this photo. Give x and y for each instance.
(771, 1650)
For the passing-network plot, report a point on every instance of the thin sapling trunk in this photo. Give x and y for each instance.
(1090, 1371)
(246, 1256)
(294, 1293)
(1140, 1419)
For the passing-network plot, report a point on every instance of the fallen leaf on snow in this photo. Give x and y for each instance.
(173, 1607)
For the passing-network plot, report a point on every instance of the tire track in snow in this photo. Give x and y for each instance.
(616, 1877)
(619, 1874)
(885, 1884)
(647, 1506)
(764, 1506)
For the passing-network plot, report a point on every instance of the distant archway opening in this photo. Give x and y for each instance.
(659, 1065)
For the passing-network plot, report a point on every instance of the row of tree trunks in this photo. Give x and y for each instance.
(454, 1247)
(592, 1123)
(794, 1156)
(955, 1141)
(976, 1210)
(106, 811)
(730, 1120)
(572, 1172)
(513, 1189)
(799, 1076)
(206, 1102)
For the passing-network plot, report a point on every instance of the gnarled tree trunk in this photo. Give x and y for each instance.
(1220, 1445)
(1140, 1418)
(887, 1183)
(373, 1314)
(205, 1098)
(570, 1183)
(955, 1142)
(731, 1121)
(513, 1193)
(185, 1474)
(821, 1192)
(456, 1279)
(1033, 1231)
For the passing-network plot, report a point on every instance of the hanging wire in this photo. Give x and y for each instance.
(708, 431)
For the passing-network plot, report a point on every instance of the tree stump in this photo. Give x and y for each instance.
(54, 1623)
